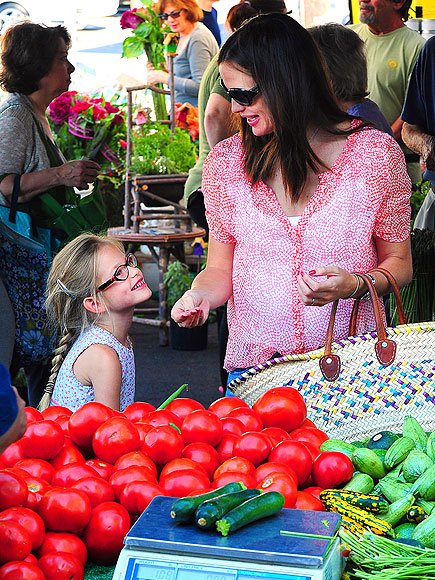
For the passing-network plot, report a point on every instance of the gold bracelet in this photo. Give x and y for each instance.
(358, 284)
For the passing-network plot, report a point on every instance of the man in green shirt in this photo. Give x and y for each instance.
(392, 49)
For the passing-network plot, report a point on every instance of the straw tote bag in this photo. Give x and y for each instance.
(358, 386)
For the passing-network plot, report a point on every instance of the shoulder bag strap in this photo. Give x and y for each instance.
(14, 199)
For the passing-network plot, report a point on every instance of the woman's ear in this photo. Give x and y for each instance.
(93, 305)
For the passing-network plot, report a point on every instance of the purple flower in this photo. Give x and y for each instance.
(130, 19)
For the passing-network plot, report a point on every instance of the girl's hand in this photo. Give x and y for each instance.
(191, 310)
(317, 292)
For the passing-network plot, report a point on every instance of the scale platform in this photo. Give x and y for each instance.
(158, 549)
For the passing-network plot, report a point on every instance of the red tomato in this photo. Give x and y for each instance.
(96, 488)
(314, 490)
(183, 406)
(163, 417)
(283, 483)
(307, 501)
(30, 521)
(13, 490)
(36, 489)
(63, 421)
(221, 407)
(21, 571)
(281, 407)
(142, 429)
(138, 411)
(249, 417)
(68, 474)
(308, 423)
(31, 559)
(314, 451)
(43, 439)
(67, 455)
(204, 454)
(121, 477)
(103, 468)
(136, 458)
(163, 444)
(296, 455)
(181, 463)
(64, 542)
(226, 446)
(234, 476)
(13, 453)
(275, 434)
(104, 548)
(240, 464)
(37, 468)
(273, 467)
(85, 421)
(203, 426)
(33, 415)
(232, 425)
(331, 469)
(61, 566)
(55, 411)
(15, 542)
(137, 495)
(254, 446)
(309, 435)
(65, 510)
(184, 482)
(114, 438)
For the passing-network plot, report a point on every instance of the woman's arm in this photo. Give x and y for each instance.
(211, 288)
(199, 52)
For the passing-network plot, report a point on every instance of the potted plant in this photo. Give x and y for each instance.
(178, 280)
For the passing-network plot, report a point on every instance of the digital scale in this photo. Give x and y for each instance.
(158, 549)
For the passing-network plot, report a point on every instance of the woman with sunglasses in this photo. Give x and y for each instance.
(92, 290)
(196, 48)
(298, 203)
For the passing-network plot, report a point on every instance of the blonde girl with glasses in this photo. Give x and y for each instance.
(92, 290)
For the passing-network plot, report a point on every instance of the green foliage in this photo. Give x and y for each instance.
(178, 280)
(158, 151)
(419, 194)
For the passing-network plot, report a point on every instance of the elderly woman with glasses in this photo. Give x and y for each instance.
(196, 48)
(299, 203)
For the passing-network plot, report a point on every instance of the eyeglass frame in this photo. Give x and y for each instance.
(247, 100)
(130, 262)
(174, 14)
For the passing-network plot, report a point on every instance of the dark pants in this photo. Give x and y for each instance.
(37, 377)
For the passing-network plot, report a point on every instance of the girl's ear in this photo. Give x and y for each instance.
(93, 305)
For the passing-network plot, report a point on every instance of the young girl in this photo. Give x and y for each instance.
(92, 290)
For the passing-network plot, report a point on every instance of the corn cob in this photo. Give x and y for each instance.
(375, 524)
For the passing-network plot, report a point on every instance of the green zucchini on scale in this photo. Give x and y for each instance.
(212, 510)
(183, 509)
(264, 505)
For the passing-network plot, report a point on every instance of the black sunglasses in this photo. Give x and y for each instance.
(173, 14)
(244, 97)
(121, 273)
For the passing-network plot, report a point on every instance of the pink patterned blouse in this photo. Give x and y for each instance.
(364, 195)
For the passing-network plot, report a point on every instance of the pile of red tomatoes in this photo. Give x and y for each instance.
(72, 486)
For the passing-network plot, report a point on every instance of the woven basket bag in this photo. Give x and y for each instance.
(358, 386)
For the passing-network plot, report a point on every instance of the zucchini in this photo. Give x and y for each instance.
(338, 445)
(371, 503)
(413, 429)
(361, 482)
(405, 530)
(424, 486)
(183, 509)
(424, 532)
(264, 505)
(382, 440)
(398, 451)
(428, 506)
(415, 465)
(394, 490)
(212, 510)
(430, 446)
(398, 509)
(366, 461)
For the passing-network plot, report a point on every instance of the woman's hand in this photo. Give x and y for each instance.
(317, 292)
(78, 173)
(157, 76)
(191, 310)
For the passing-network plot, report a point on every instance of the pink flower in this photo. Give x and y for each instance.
(96, 100)
(60, 108)
(118, 119)
(130, 19)
(80, 106)
(110, 108)
(98, 113)
(123, 143)
(141, 117)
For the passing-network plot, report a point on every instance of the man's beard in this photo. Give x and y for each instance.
(367, 17)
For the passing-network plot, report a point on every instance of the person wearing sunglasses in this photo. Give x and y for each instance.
(92, 290)
(298, 203)
(196, 48)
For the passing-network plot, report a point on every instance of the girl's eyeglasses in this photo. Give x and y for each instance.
(244, 97)
(173, 14)
(121, 273)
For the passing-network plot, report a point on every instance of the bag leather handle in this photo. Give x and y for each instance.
(385, 348)
(14, 199)
(400, 311)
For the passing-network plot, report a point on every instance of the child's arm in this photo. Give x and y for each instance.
(100, 367)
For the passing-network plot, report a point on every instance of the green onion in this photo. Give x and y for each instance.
(172, 397)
